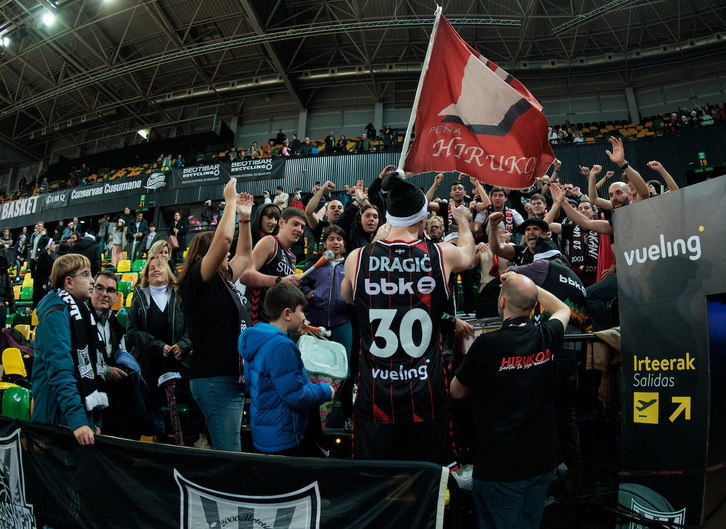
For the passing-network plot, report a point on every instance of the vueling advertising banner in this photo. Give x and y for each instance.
(47, 478)
(670, 254)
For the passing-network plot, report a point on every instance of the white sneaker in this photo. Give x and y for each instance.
(202, 442)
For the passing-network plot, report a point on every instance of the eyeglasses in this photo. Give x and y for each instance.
(110, 290)
(85, 274)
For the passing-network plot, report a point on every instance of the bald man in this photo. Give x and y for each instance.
(513, 376)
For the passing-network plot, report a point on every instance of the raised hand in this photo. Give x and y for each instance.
(245, 201)
(495, 218)
(230, 191)
(387, 169)
(557, 193)
(617, 156)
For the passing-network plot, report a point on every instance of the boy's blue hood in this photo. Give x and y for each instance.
(253, 338)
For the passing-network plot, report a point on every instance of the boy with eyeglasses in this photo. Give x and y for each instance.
(69, 369)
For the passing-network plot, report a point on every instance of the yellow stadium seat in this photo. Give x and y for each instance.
(34, 318)
(119, 301)
(24, 330)
(13, 362)
(123, 266)
(129, 298)
(131, 277)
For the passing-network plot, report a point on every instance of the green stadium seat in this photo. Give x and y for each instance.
(23, 316)
(138, 265)
(16, 403)
(123, 316)
(125, 287)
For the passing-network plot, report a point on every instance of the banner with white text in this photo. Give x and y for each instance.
(669, 251)
(48, 478)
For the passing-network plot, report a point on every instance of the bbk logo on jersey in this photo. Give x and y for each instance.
(14, 509)
(207, 508)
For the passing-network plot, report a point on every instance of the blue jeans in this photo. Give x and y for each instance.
(511, 504)
(221, 401)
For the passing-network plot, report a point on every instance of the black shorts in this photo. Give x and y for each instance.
(414, 441)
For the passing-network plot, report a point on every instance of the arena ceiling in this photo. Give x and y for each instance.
(122, 65)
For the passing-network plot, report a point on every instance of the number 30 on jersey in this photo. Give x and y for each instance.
(403, 337)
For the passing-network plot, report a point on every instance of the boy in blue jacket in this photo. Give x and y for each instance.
(281, 394)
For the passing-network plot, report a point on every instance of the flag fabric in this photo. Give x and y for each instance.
(475, 118)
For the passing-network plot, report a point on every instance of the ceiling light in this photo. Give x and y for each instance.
(48, 18)
(144, 133)
(6, 41)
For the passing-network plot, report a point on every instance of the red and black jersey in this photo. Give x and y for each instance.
(582, 249)
(400, 292)
(280, 263)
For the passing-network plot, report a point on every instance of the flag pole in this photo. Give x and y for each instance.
(412, 119)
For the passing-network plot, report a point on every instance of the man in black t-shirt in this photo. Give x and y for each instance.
(272, 261)
(513, 375)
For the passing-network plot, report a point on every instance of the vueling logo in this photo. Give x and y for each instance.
(690, 247)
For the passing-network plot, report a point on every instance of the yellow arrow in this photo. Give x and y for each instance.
(684, 404)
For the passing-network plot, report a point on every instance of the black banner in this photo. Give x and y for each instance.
(669, 250)
(59, 199)
(270, 168)
(48, 478)
(20, 208)
(200, 175)
(219, 173)
(121, 187)
(156, 182)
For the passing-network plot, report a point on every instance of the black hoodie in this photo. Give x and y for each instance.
(89, 247)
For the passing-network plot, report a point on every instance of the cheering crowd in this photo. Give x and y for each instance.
(224, 328)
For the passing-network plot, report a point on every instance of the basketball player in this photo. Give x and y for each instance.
(399, 286)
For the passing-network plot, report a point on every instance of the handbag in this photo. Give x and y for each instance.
(173, 242)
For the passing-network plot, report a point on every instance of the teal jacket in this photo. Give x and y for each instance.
(55, 392)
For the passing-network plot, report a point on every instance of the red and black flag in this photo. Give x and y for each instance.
(475, 118)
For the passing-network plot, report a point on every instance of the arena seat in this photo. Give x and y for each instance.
(26, 293)
(24, 329)
(13, 364)
(22, 316)
(122, 315)
(119, 301)
(131, 277)
(16, 403)
(138, 265)
(129, 298)
(125, 287)
(123, 266)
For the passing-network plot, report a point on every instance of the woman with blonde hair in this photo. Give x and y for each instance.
(163, 250)
(157, 337)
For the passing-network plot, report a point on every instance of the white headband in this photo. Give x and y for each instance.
(411, 219)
